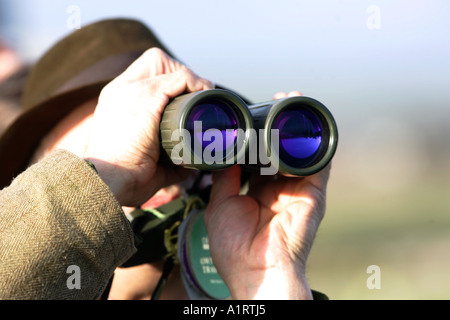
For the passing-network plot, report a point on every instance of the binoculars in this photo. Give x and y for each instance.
(215, 129)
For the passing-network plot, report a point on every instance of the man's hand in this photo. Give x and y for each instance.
(124, 142)
(260, 241)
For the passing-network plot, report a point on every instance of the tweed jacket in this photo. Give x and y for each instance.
(62, 232)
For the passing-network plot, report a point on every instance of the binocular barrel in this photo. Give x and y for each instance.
(214, 129)
(298, 134)
(206, 130)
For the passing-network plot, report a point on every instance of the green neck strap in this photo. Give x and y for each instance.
(149, 227)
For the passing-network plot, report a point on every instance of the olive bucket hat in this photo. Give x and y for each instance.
(73, 71)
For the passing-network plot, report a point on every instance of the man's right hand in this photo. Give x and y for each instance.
(124, 141)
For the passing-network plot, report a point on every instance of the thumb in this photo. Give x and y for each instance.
(226, 184)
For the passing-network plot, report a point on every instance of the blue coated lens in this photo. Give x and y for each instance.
(217, 116)
(300, 133)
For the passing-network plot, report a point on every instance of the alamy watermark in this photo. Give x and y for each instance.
(374, 280)
(74, 280)
(213, 153)
(73, 21)
(374, 20)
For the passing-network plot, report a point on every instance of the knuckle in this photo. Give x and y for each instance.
(185, 72)
(154, 53)
(106, 91)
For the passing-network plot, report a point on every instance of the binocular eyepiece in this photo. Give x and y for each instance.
(215, 129)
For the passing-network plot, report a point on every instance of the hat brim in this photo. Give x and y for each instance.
(70, 73)
(21, 139)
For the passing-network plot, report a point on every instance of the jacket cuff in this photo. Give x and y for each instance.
(60, 214)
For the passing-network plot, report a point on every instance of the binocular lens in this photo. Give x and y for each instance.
(300, 134)
(206, 130)
(213, 115)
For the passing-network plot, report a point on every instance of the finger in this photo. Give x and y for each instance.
(294, 94)
(182, 81)
(226, 184)
(279, 95)
(320, 179)
(151, 63)
(167, 86)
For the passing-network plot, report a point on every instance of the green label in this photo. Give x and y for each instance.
(201, 263)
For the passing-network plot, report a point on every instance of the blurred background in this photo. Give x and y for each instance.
(383, 69)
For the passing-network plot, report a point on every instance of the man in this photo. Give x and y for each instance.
(61, 212)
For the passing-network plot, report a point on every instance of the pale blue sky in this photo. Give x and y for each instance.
(319, 47)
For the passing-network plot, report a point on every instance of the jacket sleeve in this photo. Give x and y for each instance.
(62, 233)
